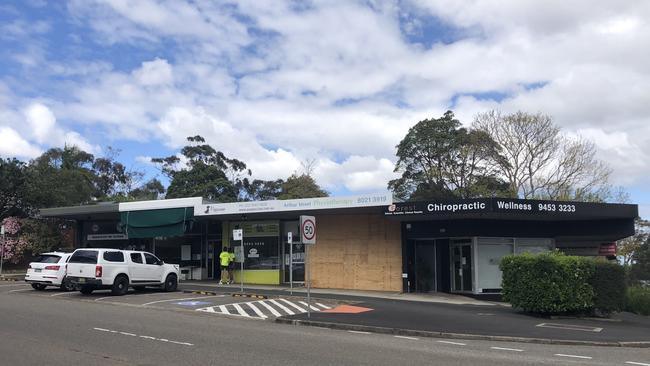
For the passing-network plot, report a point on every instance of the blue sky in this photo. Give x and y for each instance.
(339, 82)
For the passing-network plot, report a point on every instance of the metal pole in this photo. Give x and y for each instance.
(291, 267)
(2, 252)
(241, 272)
(307, 268)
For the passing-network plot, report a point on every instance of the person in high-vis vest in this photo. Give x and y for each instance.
(224, 261)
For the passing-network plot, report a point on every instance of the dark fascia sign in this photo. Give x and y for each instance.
(516, 207)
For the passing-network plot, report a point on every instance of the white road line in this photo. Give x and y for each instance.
(405, 337)
(286, 309)
(270, 308)
(256, 310)
(17, 284)
(294, 305)
(187, 298)
(454, 343)
(637, 363)
(358, 332)
(310, 306)
(105, 297)
(507, 349)
(241, 311)
(573, 356)
(323, 306)
(223, 309)
(65, 293)
(22, 289)
(143, 336)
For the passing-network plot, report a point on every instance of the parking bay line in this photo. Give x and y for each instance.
(637, 363)
(14, 285)
(22, 289)
(64, 293)
(186, 298)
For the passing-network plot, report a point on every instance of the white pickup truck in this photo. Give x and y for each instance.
(90, 269)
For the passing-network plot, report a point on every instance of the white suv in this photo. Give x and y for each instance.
(48, 269)
(90, 269)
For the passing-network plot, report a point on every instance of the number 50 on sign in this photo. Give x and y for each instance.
(308, 229)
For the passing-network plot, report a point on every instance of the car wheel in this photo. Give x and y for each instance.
(86, 290)
(120, 285)
(66, 285)
(139, 288)
(171, 283)
(38, 286)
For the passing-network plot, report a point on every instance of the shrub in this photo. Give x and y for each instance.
(548, 283)
(608, 282)
(638, 300)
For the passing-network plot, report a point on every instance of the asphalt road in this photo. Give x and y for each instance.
(40, 328)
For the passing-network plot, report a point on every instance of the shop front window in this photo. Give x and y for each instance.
(261, 245)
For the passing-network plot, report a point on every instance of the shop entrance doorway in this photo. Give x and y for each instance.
(461, 265)
(428, 265)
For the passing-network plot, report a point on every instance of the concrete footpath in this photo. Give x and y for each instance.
(453, 316)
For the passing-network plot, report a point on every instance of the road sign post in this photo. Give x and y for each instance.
(238, 234)
(308, 238)
(290, 241)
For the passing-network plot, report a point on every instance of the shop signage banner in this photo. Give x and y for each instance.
(304, 204)
(511, 206)
(107, 237)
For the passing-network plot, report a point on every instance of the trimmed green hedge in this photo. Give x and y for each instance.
(549, 283)
(608, 282)
(638, 300)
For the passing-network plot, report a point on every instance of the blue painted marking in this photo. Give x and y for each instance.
(192, 303)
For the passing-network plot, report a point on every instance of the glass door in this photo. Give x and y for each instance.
(294, 261)
(461, 265)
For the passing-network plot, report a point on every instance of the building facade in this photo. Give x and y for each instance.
(364, 242)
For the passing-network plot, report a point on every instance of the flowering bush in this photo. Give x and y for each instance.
(14, 246)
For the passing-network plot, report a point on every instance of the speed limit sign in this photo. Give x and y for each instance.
(308, 229)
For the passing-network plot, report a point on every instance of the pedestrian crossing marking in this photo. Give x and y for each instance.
(295, 306)
(286, 309)
(264, 309)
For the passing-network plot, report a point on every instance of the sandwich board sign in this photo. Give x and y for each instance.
(308, 229)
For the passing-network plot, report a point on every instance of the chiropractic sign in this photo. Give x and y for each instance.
(507, 206)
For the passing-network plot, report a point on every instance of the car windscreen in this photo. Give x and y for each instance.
(47, 258)
(84, 256)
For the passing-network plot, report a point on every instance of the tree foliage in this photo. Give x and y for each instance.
(439, 159)
(300, 186)
(539, 161)
(201, 170)
(626, 248)
(13, 190)
(206, 172)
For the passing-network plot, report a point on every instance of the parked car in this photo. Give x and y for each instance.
(92, 269)
(48, 269)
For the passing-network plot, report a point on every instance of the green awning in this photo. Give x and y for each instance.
(154, 223)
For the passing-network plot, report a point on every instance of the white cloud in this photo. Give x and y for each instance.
(338, 81)
(41, 121)
(14, 145)
(156, 72)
